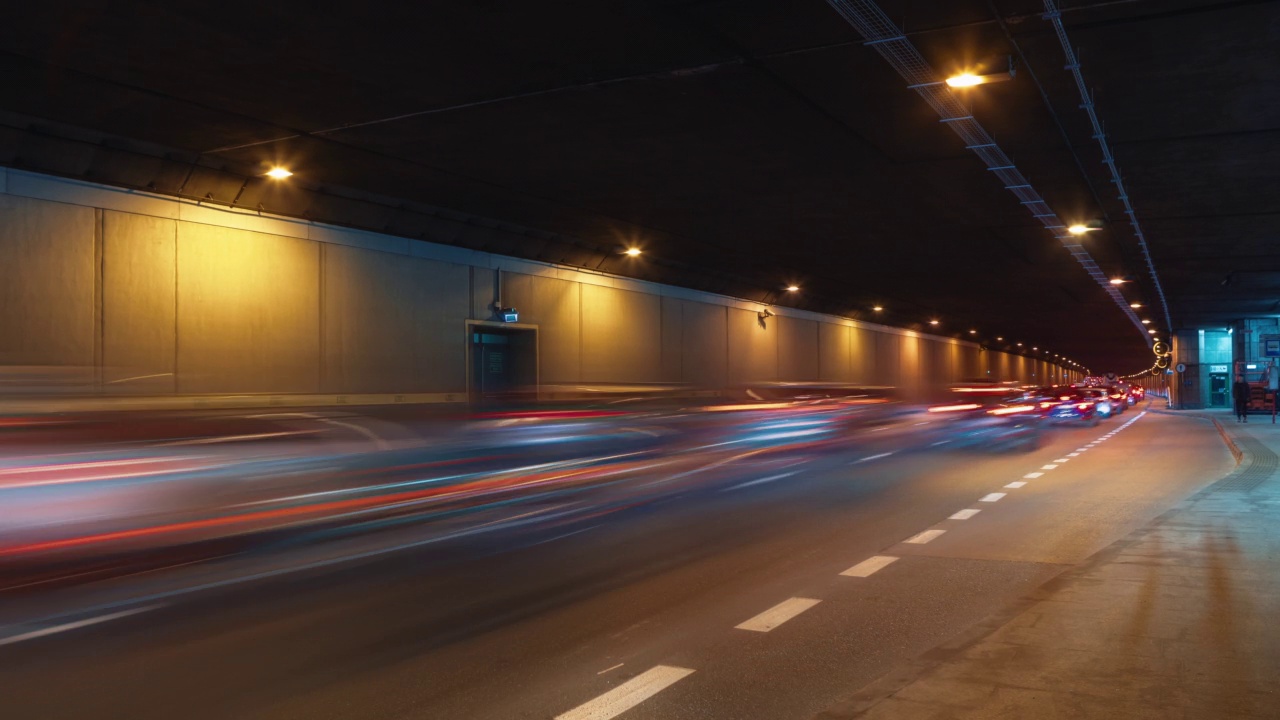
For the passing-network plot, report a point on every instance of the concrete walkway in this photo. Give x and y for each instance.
(1179, 620)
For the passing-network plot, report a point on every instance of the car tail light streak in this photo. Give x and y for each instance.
(954, 408)
(1012, 410)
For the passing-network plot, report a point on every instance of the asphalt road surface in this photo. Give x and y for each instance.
(775, 589)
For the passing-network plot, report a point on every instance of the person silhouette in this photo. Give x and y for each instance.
(1240, 393)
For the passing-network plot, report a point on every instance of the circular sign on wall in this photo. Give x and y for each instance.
(1181, 367)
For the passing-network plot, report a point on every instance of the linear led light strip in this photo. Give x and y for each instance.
(879, 32)
(1086, 101)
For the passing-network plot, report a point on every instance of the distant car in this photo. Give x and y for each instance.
(1063, 403)
(1136, 394)
(989, 421)
(1119, 398)
(1103, 405)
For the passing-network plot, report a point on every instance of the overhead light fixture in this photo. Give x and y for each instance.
(1146, 322)
(976, 76)
(1118, 281)
(965, 80)
(877, 308)
(633, 252)
(933, 322)
(1153, 332)
(1019, 344)
(278, 173)
(1135, 306)
(1080, 229)
(973, 332)
(792, 288)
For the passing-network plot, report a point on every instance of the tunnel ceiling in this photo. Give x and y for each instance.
(743, 145)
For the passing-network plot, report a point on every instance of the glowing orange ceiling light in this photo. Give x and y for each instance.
(966, 80)
(278, 173)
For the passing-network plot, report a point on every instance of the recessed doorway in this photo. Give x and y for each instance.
(502, 363)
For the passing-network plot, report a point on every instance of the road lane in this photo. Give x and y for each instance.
(477, 629)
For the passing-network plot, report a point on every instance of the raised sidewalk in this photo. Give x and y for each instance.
(1181, 619)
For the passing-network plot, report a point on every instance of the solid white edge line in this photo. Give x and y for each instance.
(74, 625)
(964, 514)
(991, 497)
(629, 694)
(870, 566)
(921, 538)
(1015, 485)
(778, 614)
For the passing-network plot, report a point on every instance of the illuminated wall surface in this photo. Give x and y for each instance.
(161, 296)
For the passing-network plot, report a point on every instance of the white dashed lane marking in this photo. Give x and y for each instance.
(870, 566)
(629, 694)
(869, 458)
(992, 497)
(924, 537)
(1033, 476)
(1076, 453)
(1015, 485)
(1048, 467)
(1061, 460)
(778, 614)
(964, 514)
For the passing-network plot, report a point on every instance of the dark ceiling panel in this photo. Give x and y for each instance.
(745, 145)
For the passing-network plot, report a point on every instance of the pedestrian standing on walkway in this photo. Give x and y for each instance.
(1240, 393)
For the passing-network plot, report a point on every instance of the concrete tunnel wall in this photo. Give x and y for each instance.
(158, 295)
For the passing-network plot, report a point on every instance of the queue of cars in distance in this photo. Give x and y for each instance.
(1084, 403)
(1006, 416)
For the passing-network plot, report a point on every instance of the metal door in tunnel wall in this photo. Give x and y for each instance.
(503, 363)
